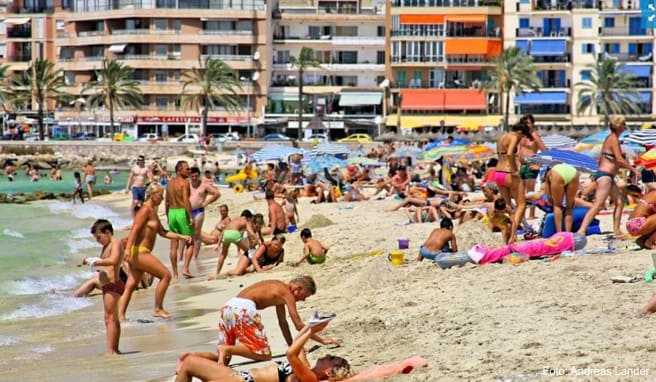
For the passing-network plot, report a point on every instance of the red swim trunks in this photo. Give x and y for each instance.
(240, 322)
(116, 287)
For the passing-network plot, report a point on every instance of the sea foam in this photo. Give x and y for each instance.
(51, 305)
(40, 285)
(88, 211)
(12, 233)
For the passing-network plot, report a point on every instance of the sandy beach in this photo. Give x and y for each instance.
(528, 322)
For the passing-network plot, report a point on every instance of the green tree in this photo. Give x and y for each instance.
(5, 87)
(113, 88)
(40, 84)
(513, 71)
(213, 84)
(609, 90)
(304, 61)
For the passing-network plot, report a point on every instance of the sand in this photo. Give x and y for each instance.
(495, 322)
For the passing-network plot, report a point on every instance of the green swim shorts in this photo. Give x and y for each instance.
(179, 222)
(232, 236)
(527, 173)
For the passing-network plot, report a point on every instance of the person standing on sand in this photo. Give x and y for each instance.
(277, 218)
(233, 233)
(203, 194)
(108, 267)
(138, 252)
(139, 174)
(178, 212)
(240, 326)
(528, 147)
(89, 177)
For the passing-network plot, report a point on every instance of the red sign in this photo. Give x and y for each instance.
(177, 119)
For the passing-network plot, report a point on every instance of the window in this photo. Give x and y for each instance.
(524, 23)
(381, 31)
(161, 102)
(283, 57)
(585, 75)
(175, 50)
(176, 25)
(69, 78)
(161, 50)
(587, 48)
(314, 31)
(349, 31)
(2, 50)
(348, 57)
(612, 48)
(586, 23)
(380, 57)
(609, 22)
(161, 76)
(245, 25)
(161, 24)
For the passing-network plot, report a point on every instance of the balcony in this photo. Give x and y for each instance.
(448, 84)
(446, 3)
(327, 11)
(564, 59)
(548, 5)
(625, 32)
(222, 32)
(119, 32)
(84, 58)
(408, 32)
(630, 57)
(552, 84)
(229, 57)
(622, 5)
(19, 32)
(538, 32)
(468, 59)
(110, 5)
(19, 58)
(418, 60)
(89, 33)
(132, 57)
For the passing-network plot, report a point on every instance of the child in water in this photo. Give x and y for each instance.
(313, 251)
(78, 187)
(441, 240)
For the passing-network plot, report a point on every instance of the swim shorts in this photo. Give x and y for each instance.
(312, 259)
(232, 236)
(197, 211)
(526, 173)
(430, 255)
(179, 222)
(240, 322)
(116, 288)
(90, 179)
(635, 225)
(139, 194)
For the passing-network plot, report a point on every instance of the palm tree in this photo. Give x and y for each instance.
(5, 87)
(609, 90)
(513, 71)
(114, 88)
(214, 85)
(40, 83)
(304, 61)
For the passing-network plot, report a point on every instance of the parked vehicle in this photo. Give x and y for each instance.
(84, 137)
(276, 137)
(318, 138)
(227, 137)
(186, 138)
(150, 137)
(356, 138)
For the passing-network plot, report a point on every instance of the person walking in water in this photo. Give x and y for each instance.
(203, 193)
(139, 174)
(178, 212)
(89, 177)
(138, 252)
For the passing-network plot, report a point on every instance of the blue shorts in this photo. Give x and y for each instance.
(139, 193)
(426, 254)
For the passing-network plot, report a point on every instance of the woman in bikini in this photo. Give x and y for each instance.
(506, 173)
(562, 180)
(138, 252)
(267, 256)
(610, 162)
(528, 147)
(296, 368)
(642, 221)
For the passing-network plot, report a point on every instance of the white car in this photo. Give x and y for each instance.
(186, 138)
(227, 137)
(150, 137)
(319, 138)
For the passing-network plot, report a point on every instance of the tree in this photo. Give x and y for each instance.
(5, 87)
(114, 88)
(513, 71)
(304, 61)
(206, 88)
(609, 90)
(40, 83)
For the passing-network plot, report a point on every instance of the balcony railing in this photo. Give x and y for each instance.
(564, 59)
(648, 57)
(539, 32)
(91, 33)
(323, 11)
(19, 58)
(19, 33)
(417, 59)
(416, 33)
(548, 5)
(227, 32)
(446, 3)
(467, 59)
(85, 58)
(556, 84)
(622, 5)
(625, 32)
(118, 32)
(228, 57)
(111, 5)
(449, 84)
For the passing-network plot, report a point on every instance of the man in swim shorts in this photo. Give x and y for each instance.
(277, 219)
(139, 174)
(89, 177)
(178, 212)
(203, 193)
(241, 331)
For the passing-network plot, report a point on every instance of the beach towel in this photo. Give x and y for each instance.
(558, 243)
(377, 373)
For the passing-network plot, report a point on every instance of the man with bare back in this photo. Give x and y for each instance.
(178, 212)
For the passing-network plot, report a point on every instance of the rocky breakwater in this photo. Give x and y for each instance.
(22, 198)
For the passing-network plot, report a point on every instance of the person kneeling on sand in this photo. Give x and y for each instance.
(296, 368)
(440, 241)
(107, 266)
(313, 251)
(240, 326)
(233, 233)
(265, 257)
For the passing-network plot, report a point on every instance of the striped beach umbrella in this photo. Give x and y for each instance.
(330, 149)
(275, 152)
(558, 141)
(642, 137)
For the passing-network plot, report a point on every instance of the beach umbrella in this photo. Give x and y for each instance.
(365, 162)
(443, 151)
(600, 136)
(406, 151)
(330, 149)
(317, 163)
(557, 141)
(275, 152)
(444, 143)
(555, 156)
(642, 137)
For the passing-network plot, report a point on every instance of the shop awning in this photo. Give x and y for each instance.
(416, 121)
(540, 98)
(442, 99)
(636, 70)
(421, 19)
(522, 45)
(283, 97)
(17, 21)
(548, 47)
(117, 48)
(360, 98)
(474, 46)
(466, 18)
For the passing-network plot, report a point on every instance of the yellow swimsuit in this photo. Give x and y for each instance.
(137, 249)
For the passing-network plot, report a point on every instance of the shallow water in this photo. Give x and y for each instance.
(23, 183)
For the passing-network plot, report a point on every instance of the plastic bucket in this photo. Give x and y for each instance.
(291, 228)
(397, 258)
(404, 243)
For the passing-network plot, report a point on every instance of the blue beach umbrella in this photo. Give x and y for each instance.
(275, 152)
(317, 163)
(330, 149)
(555, 156)
(557, 141)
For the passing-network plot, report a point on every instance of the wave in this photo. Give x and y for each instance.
(12, 233)
(76, 246)
(35, 285)
(51, 305)
(88, 211)
(8, 340)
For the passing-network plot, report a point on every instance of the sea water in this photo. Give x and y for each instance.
(23, 183)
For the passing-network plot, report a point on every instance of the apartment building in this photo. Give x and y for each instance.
(564, 38)
(439, 54)
(348, 40)
(159, 39)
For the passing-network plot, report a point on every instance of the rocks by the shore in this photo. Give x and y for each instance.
(22, 198)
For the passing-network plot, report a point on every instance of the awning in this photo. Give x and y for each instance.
(443, 99)
(540, 98)
(636, 70)
(475, 46)
(117, 48)
(17, 21)
(548, 47)
(283, 97)
(360, 98)
(421, 19)
(416, 121)
(522, 45)
(466, 18)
